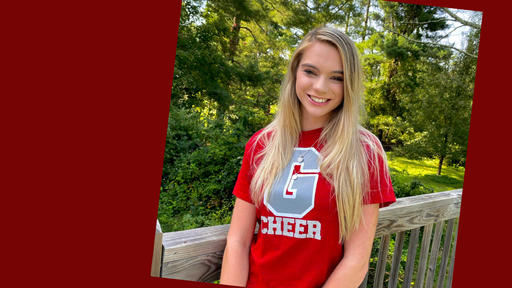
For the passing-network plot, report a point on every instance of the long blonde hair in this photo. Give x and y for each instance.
(345, 159)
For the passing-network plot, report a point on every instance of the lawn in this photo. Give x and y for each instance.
(425, 171)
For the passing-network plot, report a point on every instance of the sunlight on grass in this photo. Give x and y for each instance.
(425, 171)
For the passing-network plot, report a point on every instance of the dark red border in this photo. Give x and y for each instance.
(88, 91)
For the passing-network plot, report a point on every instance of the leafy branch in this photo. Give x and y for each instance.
(432, 43)
(460, 20)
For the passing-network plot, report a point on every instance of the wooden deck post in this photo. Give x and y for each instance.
(156, 265)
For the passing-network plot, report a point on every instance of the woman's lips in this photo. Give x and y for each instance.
(315, 100)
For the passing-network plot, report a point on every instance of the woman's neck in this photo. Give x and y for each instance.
(310, 123)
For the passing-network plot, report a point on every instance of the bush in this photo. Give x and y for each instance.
(407, 188)
(203, 156)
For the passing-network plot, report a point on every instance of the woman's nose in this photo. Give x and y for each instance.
(320, 84)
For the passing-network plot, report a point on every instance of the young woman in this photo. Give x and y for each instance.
(313, 179)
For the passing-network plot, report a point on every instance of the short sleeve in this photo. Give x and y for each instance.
(381, 189)
(243, 182)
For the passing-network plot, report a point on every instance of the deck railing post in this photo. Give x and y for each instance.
(156, 264)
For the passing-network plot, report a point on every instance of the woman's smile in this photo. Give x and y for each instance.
(318, 101)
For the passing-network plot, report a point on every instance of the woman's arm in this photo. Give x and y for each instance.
(235, 264)
(352, 269)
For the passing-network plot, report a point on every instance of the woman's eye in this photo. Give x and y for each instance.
(309, 72)
(340, 79)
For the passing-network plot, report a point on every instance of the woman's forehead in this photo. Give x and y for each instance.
(323, 56)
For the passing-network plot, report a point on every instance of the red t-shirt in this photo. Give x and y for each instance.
(297, 240)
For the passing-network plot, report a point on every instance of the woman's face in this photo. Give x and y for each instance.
(319, 83)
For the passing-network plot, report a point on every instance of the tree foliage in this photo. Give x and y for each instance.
(231, 57)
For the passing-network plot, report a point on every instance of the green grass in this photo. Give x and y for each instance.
(425, 171)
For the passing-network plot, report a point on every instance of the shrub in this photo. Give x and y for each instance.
(407, 188)
(202, 158)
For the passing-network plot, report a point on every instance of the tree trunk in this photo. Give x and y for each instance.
(441, 159)
(235, 37)
(346, 22)
(366, 19)
(443, 154)
(390, 92)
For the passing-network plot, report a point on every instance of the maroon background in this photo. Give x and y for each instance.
(84, 109)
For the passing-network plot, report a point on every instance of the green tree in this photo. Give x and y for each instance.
(230, 60)
(440, 113)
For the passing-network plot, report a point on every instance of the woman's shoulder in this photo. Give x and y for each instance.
(259, 139)
(369, 140)
(260, 136)
(257, 134)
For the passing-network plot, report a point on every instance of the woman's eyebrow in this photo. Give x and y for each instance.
(309, 65)
(314, 67)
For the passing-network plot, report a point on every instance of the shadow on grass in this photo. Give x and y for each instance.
(411, 163)
(441, 179)
(432, 180)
